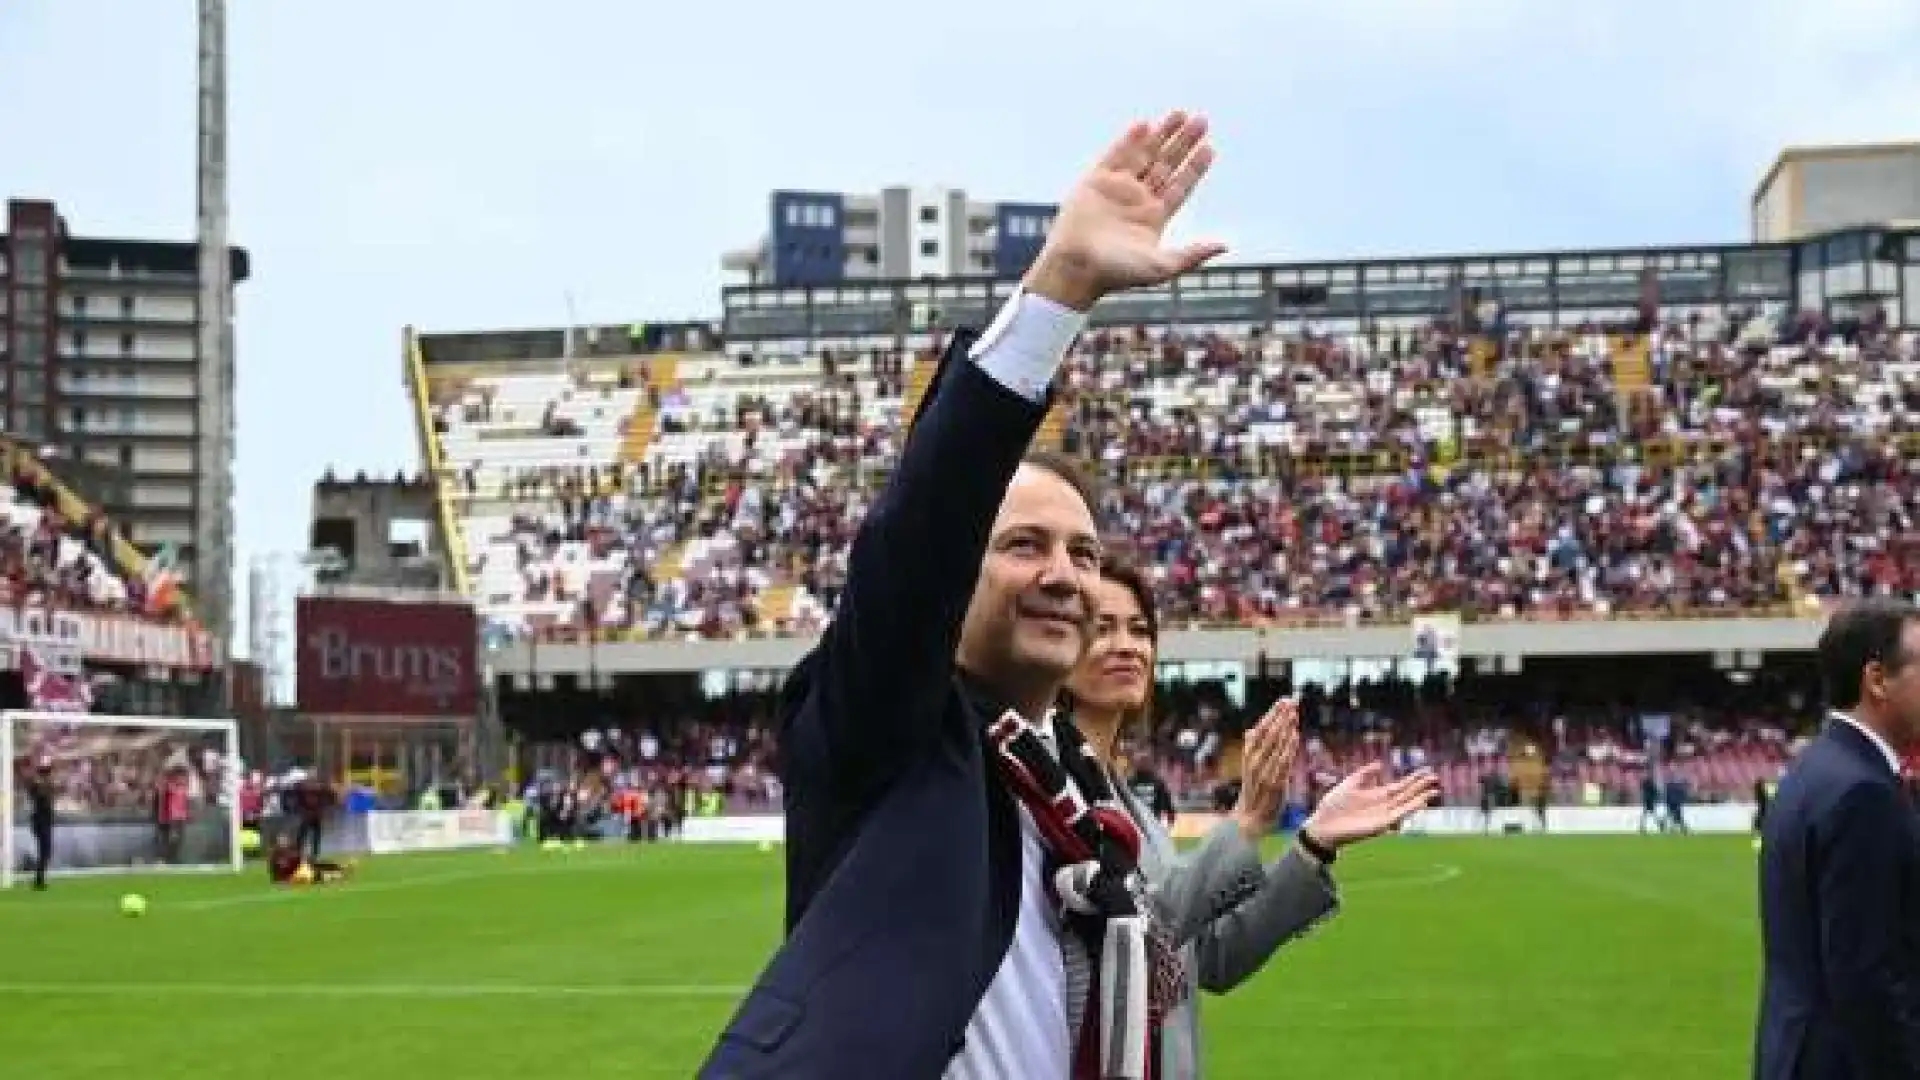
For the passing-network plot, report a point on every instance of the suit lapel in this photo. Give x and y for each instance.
(1005, 847)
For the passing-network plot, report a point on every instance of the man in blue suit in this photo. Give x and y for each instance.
(923, 939)
(1840, 869)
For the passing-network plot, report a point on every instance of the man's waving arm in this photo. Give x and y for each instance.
(887, 658)
(876, 681)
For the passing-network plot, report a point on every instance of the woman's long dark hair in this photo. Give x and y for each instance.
(1123, 573)
(1126, 575)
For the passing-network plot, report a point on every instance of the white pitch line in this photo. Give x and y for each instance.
(352, 990)
(271, 895)
(1441, 874)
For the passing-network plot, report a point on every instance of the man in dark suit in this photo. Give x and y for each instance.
(1840, 869)
(923, 939)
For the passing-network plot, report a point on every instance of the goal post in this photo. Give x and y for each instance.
(131, 794)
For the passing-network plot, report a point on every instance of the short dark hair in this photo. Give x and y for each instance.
(1068, 469)
(1862, 633)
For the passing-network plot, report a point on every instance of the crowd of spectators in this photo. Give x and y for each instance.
(1700, 467)
(1194, 740)
(694, 763)
(49, 559)
(1586, 755)
(117, 773)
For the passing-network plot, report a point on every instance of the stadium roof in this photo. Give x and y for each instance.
(1409, 287)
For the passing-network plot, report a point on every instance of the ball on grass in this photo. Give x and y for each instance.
(766, 845)
(133, 905)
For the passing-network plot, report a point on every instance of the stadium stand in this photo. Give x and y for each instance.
(57, 550)
(1596, 755)
(1703, 468)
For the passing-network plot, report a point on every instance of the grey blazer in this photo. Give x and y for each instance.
(1228, 912)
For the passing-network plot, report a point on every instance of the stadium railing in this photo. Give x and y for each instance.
(1305, 620)
(455, 536)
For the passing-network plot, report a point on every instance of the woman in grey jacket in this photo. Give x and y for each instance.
(1228, 912)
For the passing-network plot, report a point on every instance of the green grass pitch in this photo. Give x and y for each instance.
(1531, 958)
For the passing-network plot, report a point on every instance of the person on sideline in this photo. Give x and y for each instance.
(1228, 913)
(933, 839)
(1840, 868)
(40, 796)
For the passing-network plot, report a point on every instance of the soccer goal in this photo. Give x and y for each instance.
(130, 793)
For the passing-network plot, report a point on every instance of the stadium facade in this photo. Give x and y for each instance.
(1866, 271)
(1844, 274)
(824, 238)
(102, 371)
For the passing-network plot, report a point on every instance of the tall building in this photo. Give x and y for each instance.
(100, 369)
(824, 238)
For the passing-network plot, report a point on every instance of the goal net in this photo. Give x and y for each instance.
(128, 793)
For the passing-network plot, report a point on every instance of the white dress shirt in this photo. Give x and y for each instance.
(1019, 1030)
(1886, 750)
(1024, 346)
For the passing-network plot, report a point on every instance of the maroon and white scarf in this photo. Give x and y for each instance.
(1123, 972)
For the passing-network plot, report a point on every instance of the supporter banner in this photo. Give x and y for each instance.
(391, 833)
(50, 691)
(741, 829)
(1464, 820)
(99, 637)
(387, 658)
(124, 639)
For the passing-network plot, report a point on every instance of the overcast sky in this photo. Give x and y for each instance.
(468, 165)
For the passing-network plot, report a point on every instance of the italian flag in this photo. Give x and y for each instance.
(162, 581)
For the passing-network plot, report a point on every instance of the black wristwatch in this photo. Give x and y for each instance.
(1315, 848)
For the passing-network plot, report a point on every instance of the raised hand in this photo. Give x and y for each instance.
(1360, 806)
(1266, 769)
(1108, 235)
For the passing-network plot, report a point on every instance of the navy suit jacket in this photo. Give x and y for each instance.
(903, 850)
(1839, 880)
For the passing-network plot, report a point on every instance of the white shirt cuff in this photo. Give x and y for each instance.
(1027, 342)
